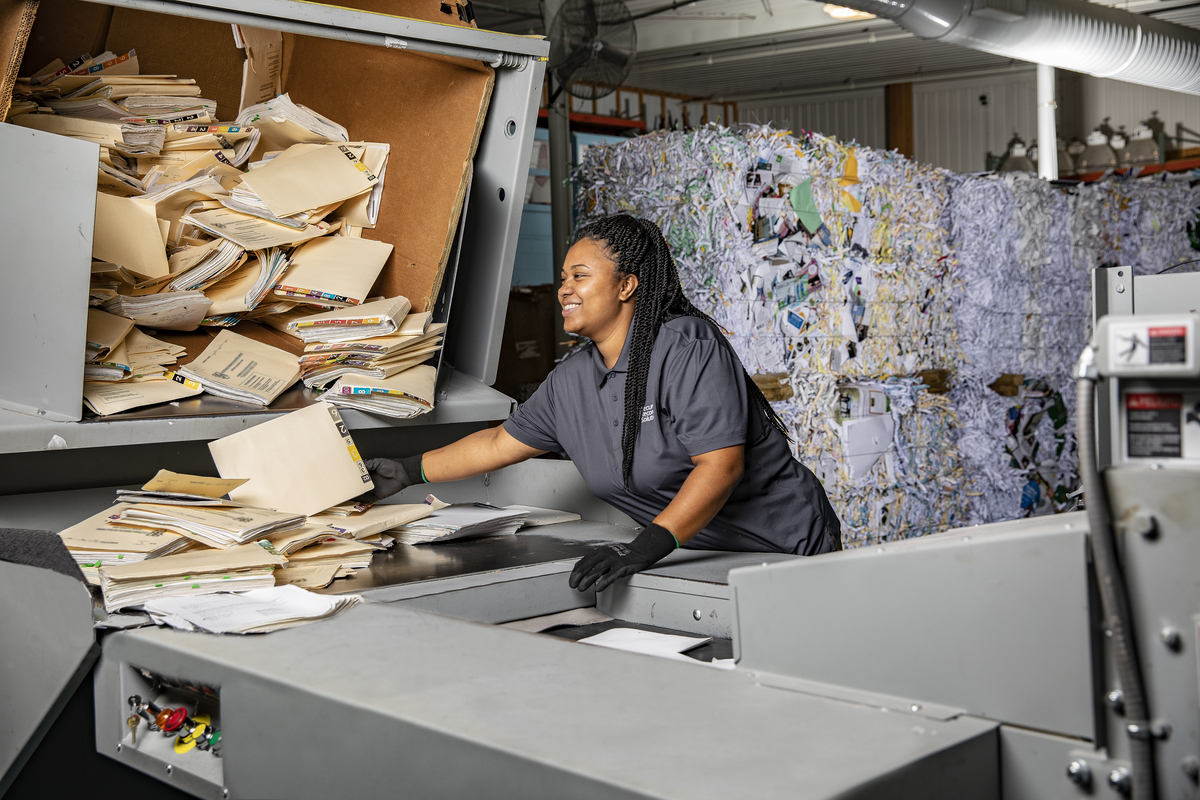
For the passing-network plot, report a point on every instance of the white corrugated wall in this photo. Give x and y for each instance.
(857, 115)
(953, 128)
(1127, 104)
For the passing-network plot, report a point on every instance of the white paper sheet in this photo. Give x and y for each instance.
(270, 609)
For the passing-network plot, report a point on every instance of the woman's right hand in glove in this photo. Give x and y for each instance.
(391, 475)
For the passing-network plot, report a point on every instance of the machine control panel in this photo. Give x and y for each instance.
(1154, 358)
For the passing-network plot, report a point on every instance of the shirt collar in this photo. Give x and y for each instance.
(622, 365)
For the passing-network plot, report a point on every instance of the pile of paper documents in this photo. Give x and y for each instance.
(99, 542)
(405, 395)
(376, 519)
(168, 310)
(179, 543)
(106, 356)
(255, 611)
(344, 555)
(113, 398)
(413, 343)
(214, 527)
(200, 572)
(462, 521)
(194, 534)
(200, 222)
(286, 543)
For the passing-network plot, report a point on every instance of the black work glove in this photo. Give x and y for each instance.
(611, 561)
(392, 475)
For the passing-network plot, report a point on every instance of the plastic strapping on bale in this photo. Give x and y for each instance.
(909, 268)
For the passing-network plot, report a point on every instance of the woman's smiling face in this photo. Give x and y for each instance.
(593, 294)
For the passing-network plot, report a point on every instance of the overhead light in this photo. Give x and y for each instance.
(841, 12)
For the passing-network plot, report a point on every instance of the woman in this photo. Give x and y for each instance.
(658, 415)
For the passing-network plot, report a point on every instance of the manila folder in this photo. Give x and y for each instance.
(303, 462)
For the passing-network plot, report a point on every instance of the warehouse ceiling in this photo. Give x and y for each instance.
(750, 49)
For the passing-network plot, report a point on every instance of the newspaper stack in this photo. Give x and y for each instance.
(463, 521)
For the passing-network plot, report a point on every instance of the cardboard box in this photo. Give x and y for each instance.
(430, 109)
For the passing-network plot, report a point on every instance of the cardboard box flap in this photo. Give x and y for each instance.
(210, 56)
(64, 27)
(432, 115)
(16, 23)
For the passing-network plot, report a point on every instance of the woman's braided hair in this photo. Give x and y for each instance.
(638, 248)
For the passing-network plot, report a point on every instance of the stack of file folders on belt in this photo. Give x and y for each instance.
(375, 519)
(463, 521)
(346, 555)
(235, 569)
(97, 542)
(214, 527)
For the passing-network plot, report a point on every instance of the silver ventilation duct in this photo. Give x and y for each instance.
(1071, 34)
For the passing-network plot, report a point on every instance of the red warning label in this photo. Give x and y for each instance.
(1168, 344)
(1147, 401)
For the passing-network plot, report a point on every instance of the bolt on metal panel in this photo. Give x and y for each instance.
(1160, 562)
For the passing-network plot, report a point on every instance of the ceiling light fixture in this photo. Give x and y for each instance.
(843, 13)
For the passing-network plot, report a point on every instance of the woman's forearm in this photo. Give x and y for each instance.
(480, 452)
(703, 493)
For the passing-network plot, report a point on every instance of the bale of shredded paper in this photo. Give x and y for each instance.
(853, 271)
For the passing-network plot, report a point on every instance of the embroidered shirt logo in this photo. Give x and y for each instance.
(648, 413)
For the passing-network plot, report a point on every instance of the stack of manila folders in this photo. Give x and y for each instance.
(372, 352)
(184, 536)
(237, 229)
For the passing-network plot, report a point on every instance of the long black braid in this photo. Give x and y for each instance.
(638, 248)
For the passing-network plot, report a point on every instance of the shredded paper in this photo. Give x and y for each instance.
(925, 321)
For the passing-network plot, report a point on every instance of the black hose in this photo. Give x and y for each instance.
(1113, 594)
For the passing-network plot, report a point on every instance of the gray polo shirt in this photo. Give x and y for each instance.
(696, 402)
